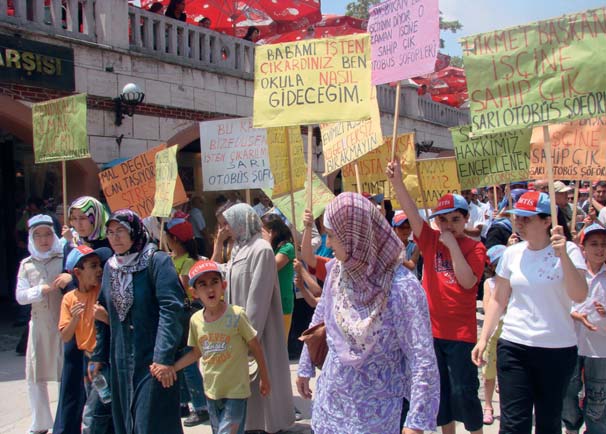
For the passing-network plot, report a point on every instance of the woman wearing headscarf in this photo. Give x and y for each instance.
(35, 286)
(87, 216)
(144, 299)
(252, 282)
(380, 347)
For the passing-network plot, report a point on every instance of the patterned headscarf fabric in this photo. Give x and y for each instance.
(362, 283)
(96, 213)
(244, 223)
(123, 266)
(34, 223)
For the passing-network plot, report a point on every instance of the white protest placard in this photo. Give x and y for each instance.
(234, 155)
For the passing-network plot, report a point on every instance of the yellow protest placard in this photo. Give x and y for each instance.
(278, 159)
(312, 81)
(166, 178)
(372, 169)
(345, 142)
(438, 177)
(578, 150)
(132, 184)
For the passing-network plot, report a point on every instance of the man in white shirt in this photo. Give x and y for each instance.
(476, 221)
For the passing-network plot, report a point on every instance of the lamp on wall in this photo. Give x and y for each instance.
(125, 104)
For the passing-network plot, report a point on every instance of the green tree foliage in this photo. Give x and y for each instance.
(359, 9)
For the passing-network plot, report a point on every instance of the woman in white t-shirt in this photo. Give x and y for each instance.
(537, 280)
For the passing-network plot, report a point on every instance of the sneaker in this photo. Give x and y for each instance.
(196, 418)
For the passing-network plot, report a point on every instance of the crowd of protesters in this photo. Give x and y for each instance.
(145, 324)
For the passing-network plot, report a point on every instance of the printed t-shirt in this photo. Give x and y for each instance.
(85, 329)
(538, 313)
(452, 308)
(286, 276)
(592, 343)
(224, 347)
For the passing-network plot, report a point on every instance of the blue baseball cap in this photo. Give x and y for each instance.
(81, 252)
(593, 228)
(531, 203)
(448, 203)
(494, 253)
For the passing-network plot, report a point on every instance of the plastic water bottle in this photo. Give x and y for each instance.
(102, 388)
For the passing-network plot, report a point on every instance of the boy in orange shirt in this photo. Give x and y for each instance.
(78, 313)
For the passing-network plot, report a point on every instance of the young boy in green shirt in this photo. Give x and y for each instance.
(222, 336)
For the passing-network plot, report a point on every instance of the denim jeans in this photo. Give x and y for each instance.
(226, 414)
(192, 388)
(97, 416)
(593, 411)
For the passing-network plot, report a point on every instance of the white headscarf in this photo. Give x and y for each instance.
(34, 223)
(244, 223)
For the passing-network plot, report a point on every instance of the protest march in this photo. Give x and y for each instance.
(291, 221)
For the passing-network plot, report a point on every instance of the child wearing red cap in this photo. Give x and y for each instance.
(452, 268)
(181, 242)
(222, 336)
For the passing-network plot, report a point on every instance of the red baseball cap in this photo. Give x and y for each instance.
(399, 219)
(203, 267)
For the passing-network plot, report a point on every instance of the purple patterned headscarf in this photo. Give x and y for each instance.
(362, 283)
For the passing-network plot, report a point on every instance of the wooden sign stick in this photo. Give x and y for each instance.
(310, 179)
(358, 182)
(64, 181)
(396, 117)
(293, 229)
(573, 222)
(248, 198)
(496, 197)
(549, 170)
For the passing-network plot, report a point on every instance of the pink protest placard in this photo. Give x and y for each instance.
(404, 38)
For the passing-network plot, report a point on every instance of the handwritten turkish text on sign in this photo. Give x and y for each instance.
(132, 184)
(405, 38)
(545, 72)
(372, 168)
(279, 159)
(234, 155)
(578, 150)
(344, 142)
(59, 129)
(312, 81)
(166, 178)
(439, 177)
(492, 158)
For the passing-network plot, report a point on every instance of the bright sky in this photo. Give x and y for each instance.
(478, 16)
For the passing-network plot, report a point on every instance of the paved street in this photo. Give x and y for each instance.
(14, 406)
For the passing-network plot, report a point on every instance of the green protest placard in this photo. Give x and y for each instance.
(491, 159)
(166, 179)
(545, 72)
(321, 197)
(59, 129)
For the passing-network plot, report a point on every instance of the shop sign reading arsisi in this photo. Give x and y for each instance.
(36, 64)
